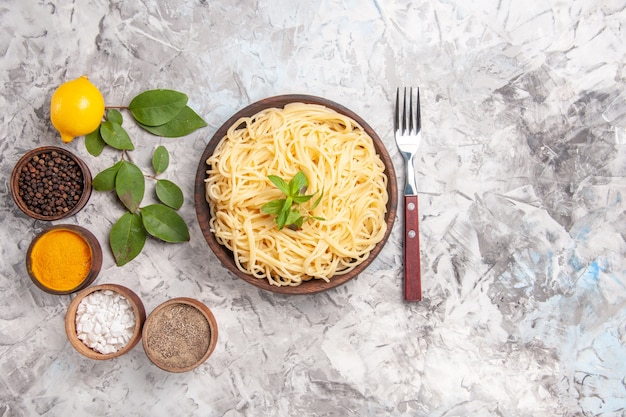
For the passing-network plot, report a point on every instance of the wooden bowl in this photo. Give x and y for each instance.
(70, 321)
(180, 334)
(89, 239)
(226, 256)
(82, 182)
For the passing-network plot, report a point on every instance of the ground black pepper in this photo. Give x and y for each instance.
(50, 184)
(178, 335)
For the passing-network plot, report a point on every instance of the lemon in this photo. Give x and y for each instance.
(76, 108)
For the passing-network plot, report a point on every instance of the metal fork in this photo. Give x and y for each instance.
(408, 126)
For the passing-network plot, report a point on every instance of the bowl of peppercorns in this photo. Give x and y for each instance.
(50, 183)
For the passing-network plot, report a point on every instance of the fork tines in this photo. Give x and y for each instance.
(408, 120)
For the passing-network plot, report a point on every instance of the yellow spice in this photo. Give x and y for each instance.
(61, 260)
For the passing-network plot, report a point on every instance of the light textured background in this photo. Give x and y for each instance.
(522, 175)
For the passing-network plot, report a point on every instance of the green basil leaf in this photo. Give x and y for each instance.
(94, 142)
(105, 180)
(281, 220)
(160, 160)
(318, 201)
(295, 217)
(127, 238)
(114, 115)
(299, 199)
(115, 136)
(169, 193)
(164, 223)
(130, 185)
(298, 184)
(182, 124)
(157, 107)
(279, 183)
(273, 207)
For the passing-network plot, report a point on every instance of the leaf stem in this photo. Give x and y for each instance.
(116, 107)
(126, 156)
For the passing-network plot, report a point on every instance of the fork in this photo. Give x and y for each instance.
(408, 126)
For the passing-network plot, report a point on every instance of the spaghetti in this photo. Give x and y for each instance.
(336, 155)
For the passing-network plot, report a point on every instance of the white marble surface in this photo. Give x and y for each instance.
(522, 176)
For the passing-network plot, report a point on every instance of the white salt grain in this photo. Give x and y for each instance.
(105, 321)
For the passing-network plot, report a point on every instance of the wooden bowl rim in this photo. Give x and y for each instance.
(80, 204)
(206, 312)
(202, 207)
(96, 257)
(70, 321)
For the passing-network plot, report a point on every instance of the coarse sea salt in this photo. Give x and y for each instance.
(105, 321)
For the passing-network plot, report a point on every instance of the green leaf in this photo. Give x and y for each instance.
(94, 142)
(295, 217)
(279, 183)
(114, 115)
(299, 199)
(318, 201)
(298, 184)
(130, 185)
(281, 220)
(164, 223)
(273, 207)
(127, 238)
(160, 160)
(105, 180)
(157, 107)
(169, 194)
(115, 136)
(182, 124)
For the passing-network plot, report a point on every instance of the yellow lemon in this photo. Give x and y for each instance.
(76, 108)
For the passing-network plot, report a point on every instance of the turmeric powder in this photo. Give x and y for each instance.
(61, 260)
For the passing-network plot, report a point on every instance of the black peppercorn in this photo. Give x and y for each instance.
(44, 181)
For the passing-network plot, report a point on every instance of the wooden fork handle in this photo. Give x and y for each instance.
(412, 273)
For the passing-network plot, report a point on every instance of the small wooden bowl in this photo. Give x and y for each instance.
(17, 191)
(70, 321)
(175, 352)
(92, 243)
(226, 257)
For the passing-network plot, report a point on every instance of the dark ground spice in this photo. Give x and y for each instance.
(178, 335)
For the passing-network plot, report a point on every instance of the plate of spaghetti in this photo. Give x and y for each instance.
(295, 194)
